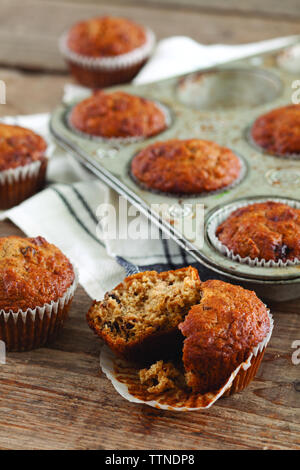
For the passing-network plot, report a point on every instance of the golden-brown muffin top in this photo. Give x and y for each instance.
(185, 166)
(117, 114)
(19, 146)
(32, 272)
(278, 131)
(267, 230)
(105, 36)
(221, 331)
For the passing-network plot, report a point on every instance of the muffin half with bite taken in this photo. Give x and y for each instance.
(185, 167)
(188, 342)
(139, 318)
(106, 50)
(23, 164)
(118, 115)
(37, 285)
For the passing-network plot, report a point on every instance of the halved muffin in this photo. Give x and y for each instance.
(139, 318)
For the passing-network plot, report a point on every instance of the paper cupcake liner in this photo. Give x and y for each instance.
(124, 376)
(121, 140)
(109, 63)
(32, 328)
(221, 215)
(22, 182)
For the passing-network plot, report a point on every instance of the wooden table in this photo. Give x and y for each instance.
(57, 397)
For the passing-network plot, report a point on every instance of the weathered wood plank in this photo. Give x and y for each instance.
(271, 8)
(29, 30)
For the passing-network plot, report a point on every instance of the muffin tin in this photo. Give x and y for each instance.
(217, 104)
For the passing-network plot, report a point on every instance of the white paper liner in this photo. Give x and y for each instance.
(222, 215)
(122, 140)
(107, 359)
(46, 309)
(13, 175)
(121, 61)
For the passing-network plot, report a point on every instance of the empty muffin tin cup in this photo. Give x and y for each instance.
(220, 215)
(125, 379)
(119, 140)
(228, 88)
(29, 329)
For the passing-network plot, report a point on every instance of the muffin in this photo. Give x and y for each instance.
(106, 50)
(139, 319)
(278, 131)
(223, 336)
(185, 167)
(220, 333)
(117, 115)
(264, 231)
(22, 164)
(37, 284)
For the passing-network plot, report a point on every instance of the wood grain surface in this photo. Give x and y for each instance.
(57, 397)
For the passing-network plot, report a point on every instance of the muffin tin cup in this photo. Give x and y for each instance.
(120, 140)
(19, 183)
(106, 71)
(222, 214)
(124, 377)
(32, 328)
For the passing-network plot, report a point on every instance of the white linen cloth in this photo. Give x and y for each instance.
(65, 212)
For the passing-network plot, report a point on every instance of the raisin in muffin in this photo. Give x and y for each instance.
(106, 50)
(185, 167)
(37, 284)
(220, 333)
(139, 318)
(117, 115)
(278, 131)
(265, 230)
(22, 164)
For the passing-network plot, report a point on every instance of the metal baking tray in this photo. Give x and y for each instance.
(220, 104)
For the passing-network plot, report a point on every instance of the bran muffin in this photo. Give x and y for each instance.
(117, 115)
(185, 167)
(22, 164)
(278, 131)
(220, 333)
(106, 50)
(139, 319)
(223, 337)
(266, 231)
(37, 284)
